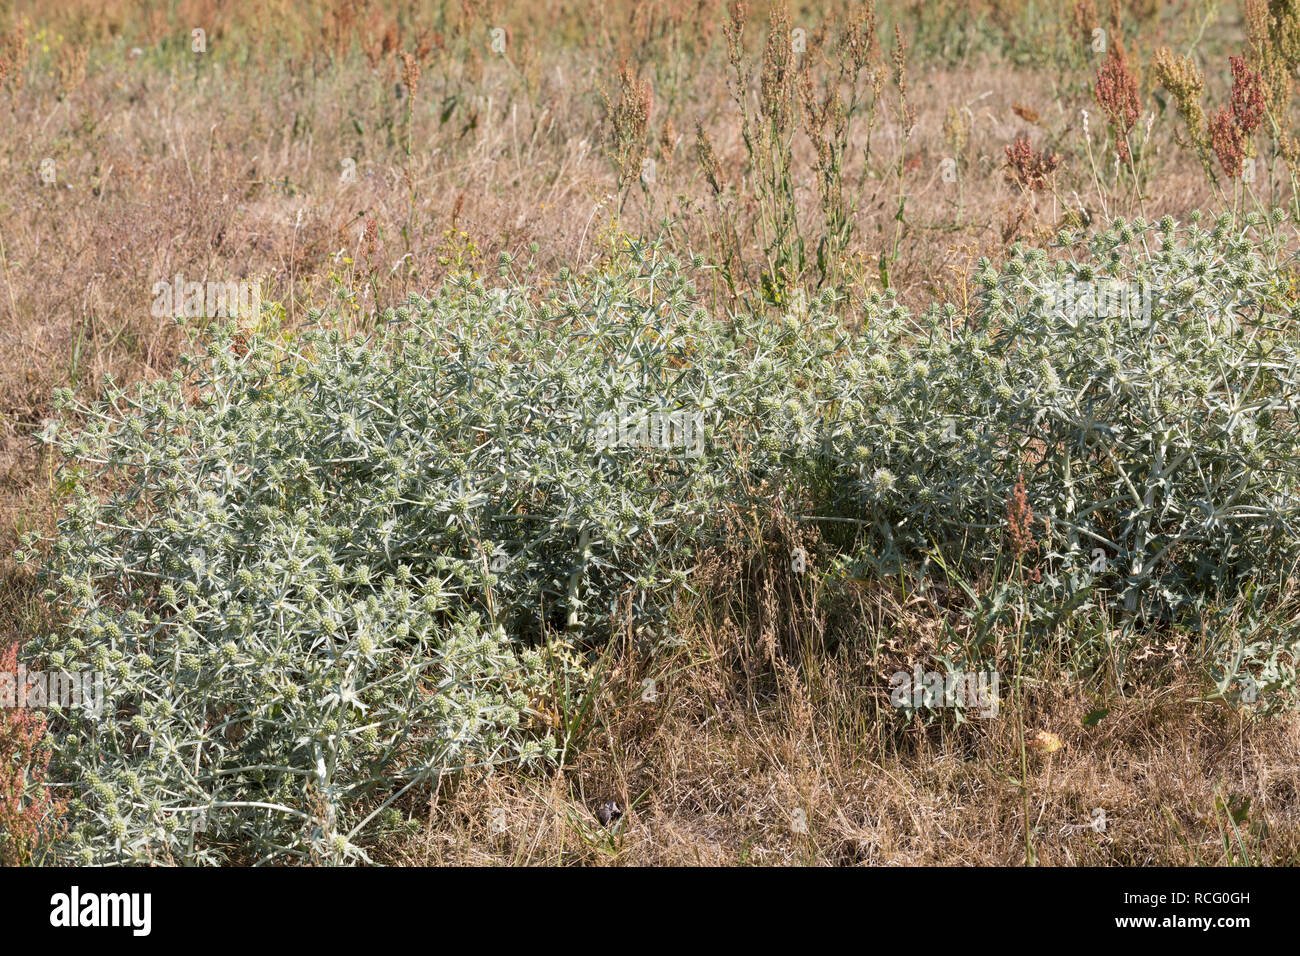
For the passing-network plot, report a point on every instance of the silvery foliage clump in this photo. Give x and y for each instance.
(312, 568)
(1159, 445)
(272, 671)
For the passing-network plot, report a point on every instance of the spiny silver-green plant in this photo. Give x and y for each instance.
(306, 566)
(311, 568)
(1158, 439)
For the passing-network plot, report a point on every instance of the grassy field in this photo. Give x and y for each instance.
(813, 170)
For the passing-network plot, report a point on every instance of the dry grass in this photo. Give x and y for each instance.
(769, 739)
(716, 777)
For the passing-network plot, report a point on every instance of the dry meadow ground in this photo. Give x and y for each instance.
(378, 147)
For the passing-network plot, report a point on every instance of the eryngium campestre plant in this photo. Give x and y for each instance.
(304, 566)
(1159, 445)
(297, 562)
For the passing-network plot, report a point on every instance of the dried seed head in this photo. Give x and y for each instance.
(708, 160)
(1117, 93)
(776, 84)
(1227, 143)
(1247, 96)
(629, 122)
(1029, 168)
(1179, 75)
(410, 73)
(956, 129)
(1020, 519)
